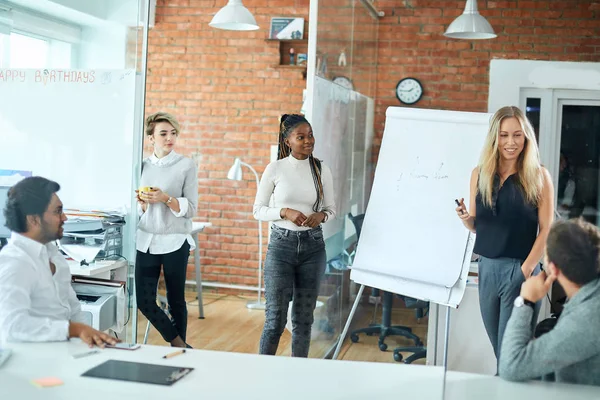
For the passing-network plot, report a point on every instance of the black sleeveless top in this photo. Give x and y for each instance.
(508, 228)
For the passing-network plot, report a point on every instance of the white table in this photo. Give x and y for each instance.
(198, 227)
(220, 375)
(100, 269)
(465, 386)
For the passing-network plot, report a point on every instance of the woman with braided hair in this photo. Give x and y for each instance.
(301, 190)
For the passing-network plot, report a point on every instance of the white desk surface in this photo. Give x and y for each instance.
(461, 385)
(199, 226)
(220, 375)
(95, 268)
(217, 375)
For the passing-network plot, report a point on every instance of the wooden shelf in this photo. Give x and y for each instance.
(288, 40)
(289, 66)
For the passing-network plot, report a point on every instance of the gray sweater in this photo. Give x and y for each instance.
(571, 349)
(177, 178)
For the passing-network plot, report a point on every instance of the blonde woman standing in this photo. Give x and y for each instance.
(511, 209)
(164, 230)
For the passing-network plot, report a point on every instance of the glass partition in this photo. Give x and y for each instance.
(72, 80)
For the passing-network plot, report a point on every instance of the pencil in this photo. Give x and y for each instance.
(175, 353)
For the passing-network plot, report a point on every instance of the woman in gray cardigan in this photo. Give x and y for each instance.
(167, 199)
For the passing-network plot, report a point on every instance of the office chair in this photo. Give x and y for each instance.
(386, 329)
(357, 221)
(419, 351)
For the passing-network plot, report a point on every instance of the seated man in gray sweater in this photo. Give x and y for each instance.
(572, 349)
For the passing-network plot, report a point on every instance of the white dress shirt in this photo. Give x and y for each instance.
(35, 306)
(165, 243)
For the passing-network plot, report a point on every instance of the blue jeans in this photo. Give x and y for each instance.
(294, 266)
(500, 281)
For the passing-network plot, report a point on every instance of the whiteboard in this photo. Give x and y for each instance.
(411, 233)
(421, 290)
(72, 126)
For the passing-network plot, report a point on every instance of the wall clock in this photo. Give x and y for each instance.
(344, 82)
(409, 90)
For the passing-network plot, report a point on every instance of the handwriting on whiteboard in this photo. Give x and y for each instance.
(424, 172)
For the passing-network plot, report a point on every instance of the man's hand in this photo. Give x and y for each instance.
(90, 336)
(535, 288)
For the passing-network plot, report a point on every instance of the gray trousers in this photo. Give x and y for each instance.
(294, 266)
(500, 281)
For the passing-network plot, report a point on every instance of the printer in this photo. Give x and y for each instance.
(98, 310)
(88, 238)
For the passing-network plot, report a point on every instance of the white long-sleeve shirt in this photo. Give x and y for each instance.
(289, 182)
(35, 305)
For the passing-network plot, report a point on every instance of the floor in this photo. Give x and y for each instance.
(230, 326)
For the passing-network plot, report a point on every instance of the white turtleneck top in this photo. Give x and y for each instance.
(289, 184)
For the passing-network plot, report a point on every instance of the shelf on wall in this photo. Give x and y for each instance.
(289, 66)
(288, 40)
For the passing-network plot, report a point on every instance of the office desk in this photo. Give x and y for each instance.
(220, 375)
(198, 227)
(466, 386)
(216, 375)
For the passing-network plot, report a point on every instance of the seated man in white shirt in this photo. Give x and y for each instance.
(37, 302)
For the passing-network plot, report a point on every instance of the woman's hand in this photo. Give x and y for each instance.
(154, 196)
(295, 216)
(314, 220)
(461, 210)
(141, 202)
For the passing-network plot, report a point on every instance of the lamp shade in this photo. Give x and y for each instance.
(234, 17)
(235, 172)
(470, 25)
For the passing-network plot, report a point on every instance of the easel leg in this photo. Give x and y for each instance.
(446, 336)
(347, 326)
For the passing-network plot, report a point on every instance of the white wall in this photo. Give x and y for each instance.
(508, 77)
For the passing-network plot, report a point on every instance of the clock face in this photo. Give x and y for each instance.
(409, 90)
(344, 82)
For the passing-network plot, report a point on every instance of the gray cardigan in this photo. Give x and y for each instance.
(571, 350)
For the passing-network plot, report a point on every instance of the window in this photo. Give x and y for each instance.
(27, 52)
(19, 50)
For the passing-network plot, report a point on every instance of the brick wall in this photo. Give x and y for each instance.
(224, 88)
(455, 73)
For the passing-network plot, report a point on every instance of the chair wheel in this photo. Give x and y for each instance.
(354, 338)
(383, 346)
(398, 357)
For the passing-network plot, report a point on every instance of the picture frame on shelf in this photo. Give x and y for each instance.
(286, 28)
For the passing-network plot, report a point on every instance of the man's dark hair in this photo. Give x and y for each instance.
(31, 196)
(574, 247)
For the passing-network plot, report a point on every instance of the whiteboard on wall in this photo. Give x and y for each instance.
(72, 126)
(412, 242)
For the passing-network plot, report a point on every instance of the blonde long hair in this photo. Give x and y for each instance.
(529, 168)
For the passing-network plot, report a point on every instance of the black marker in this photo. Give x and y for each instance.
(458, 204)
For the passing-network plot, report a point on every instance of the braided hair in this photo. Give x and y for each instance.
(287, 124)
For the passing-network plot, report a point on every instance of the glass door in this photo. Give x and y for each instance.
(578, 175)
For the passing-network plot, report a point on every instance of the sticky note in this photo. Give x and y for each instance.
(47, 382)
